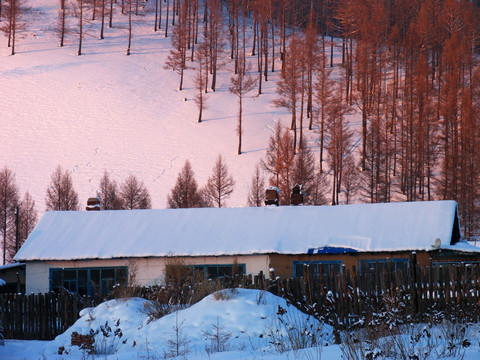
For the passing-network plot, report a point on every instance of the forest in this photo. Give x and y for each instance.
(407, 70)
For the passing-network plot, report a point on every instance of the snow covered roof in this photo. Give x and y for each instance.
(241, 231)
(10, 266)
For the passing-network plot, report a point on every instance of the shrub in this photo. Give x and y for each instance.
(107, 339)
(177, 344)
(218, 338)
(293, 332)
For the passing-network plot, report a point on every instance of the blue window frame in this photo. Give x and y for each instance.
(380, 264)
(325, 268)
(88, 281)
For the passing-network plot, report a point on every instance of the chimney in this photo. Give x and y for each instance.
(271, 195)
(297, 195)
(93, 204)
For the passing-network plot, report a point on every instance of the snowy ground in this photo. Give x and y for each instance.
(250, 317)
(108, 111)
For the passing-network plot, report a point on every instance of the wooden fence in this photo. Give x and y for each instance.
(343, 299)
(417, 293)
(39, 316)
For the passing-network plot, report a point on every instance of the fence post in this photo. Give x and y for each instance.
(413, 281)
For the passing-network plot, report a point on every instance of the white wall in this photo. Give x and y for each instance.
(149, 271)
(37, 277)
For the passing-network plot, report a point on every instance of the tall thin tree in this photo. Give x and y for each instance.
(257, 188)
(27, 219)
(134, 194)
(60, 193)
(185, 193)
(8, 204)
(220, 184)
(241, 84)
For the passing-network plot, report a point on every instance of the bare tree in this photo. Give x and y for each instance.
(108, 194)
(304, 170)
(79, 11)
(317, 194)
(257, 189)
(15, 22)
(350, 179)
(185, 193)
(62, 22)
(177, 60)
(279, 159)
(103, 14)
(27, 219)
(158, 15)
(132, 7)
(215, 36)
(323, 94)
(241, 85)
(130, 28)
(312, 55)
(134, 194)
(110, 14)
(200, 80)
(220, 184)
(166, 21)
(8, 204)
(339, 142)
(60, 193)
(288, 87)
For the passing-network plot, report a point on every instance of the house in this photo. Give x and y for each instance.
(91, 251)
(12, 278)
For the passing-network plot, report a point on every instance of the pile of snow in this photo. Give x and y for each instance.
(249, 320)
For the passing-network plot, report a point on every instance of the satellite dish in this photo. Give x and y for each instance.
(438, 243)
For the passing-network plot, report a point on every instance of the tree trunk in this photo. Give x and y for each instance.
(155, 28)
(166, 21)
(129, 26)
(102, 26)
(240, 125)
(110, 21)
(80, 29)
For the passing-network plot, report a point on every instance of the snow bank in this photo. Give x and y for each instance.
(249, 316)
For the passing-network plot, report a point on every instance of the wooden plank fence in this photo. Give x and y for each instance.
(343, 299)
(39, 316)
(415, 294)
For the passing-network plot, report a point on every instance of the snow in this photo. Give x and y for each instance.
(237, 231)
(247, 315)
(251, 317)
(108, 111)
(2, 282)
(9, 266)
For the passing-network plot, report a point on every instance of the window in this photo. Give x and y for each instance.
(219, 271)
(381, 264)
(87, 281)
(326, 268)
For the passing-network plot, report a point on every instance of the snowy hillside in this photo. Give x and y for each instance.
(105, 110)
